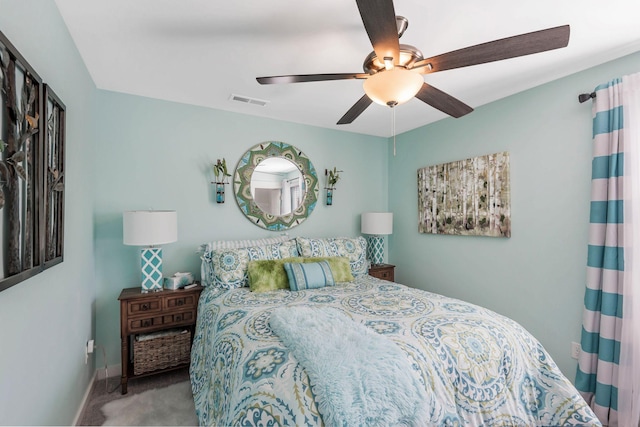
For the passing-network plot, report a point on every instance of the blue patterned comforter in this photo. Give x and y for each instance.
(479, 368)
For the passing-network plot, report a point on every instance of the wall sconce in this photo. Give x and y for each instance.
(220, 192)
(333, 176)
(376, 224)
(221, 172)
(150, 229)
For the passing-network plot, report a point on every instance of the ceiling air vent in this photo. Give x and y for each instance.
(248, 100)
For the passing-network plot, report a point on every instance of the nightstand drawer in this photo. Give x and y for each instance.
(176, 318)
(144, 306)
(385, 274)
(137, 325)
(166, 320)
(185, 301)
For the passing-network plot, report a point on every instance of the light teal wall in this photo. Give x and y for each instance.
(537, 276)
(46, 321)
(156, 154)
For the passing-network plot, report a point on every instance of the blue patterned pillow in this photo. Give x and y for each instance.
(231, 266)
(311, 275)
(207, 274)
(353, 248)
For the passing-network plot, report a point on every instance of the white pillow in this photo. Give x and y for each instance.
(234, 244)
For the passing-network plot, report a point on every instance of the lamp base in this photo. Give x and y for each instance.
(151, 263)
(376, 249)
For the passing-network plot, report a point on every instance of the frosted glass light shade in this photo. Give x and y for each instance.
(376, 223)
(149, 228)
(395, 86)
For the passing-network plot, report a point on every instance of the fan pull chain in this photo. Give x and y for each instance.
(394, 132)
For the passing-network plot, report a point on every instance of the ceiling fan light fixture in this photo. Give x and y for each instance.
(393, 87)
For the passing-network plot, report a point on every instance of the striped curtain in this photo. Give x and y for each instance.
(600, 373)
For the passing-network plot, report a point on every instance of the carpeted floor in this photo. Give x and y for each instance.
(100, 395)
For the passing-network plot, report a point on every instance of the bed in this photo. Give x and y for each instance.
(472, 366)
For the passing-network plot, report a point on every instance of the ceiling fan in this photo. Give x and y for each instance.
(393, 71)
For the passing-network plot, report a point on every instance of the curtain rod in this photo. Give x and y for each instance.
(584, 97)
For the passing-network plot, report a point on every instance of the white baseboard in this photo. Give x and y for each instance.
(99, 374)
(83, 402)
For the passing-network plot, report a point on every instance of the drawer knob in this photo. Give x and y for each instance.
(144, 307)
(146, 323)
(178, 318)
(180, 302)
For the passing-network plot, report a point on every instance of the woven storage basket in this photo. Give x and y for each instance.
(161, 352)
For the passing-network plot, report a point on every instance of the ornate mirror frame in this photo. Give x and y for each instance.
(242, 185)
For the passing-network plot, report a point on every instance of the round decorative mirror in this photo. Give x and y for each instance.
(276, 185)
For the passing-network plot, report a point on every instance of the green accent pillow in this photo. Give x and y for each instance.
(340, 267)
(269, 275)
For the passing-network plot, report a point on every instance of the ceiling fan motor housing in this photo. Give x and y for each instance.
(408, 56)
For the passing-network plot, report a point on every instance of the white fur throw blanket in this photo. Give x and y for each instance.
(358, 377)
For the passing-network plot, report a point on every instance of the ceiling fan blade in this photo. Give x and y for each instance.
(442, 101)
(510, 47)
(301, 78)
(379, 19)
(355, 111)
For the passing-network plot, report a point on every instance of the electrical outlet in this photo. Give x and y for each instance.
(88, 350)
(575, 350)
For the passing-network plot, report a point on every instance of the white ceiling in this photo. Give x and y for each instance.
(201, 51)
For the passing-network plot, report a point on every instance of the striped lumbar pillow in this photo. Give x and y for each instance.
(310, 275)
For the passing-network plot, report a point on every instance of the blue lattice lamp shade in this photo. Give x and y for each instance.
(376, 224)
(150, 229)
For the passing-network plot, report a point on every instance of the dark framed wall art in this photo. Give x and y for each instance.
(31, 170)
(54, 177)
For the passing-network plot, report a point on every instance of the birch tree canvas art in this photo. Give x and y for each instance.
(469, 197)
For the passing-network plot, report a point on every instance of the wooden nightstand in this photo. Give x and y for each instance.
(151, 312)
(383, 271)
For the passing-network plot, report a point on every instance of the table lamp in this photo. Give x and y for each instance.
(150, 229)
(376, 224)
